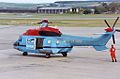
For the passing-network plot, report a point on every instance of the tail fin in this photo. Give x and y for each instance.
(102, 41)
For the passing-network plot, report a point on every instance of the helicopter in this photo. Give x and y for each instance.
(49, 40)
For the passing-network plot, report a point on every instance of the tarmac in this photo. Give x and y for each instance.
(81, 63)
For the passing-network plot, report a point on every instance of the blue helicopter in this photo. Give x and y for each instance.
(49, 40)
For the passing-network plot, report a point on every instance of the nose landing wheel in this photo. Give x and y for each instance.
(64, 54)
(47, 56)
(25, 54)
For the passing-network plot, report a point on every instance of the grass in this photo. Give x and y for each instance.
(84, 23)
(71, 20)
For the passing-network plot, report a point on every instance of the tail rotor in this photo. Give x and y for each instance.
(110, 29)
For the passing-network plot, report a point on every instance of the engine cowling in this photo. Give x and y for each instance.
(43, 31)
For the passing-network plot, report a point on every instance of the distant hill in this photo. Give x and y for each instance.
(88, 3)
(30, 6)
(4, 5)
(105, 0)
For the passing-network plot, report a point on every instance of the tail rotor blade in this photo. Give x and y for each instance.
(115, 22)
(107, 23)
(113, 37)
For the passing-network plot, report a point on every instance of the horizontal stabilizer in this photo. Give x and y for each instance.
(100, 48)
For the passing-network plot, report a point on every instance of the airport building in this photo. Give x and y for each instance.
(60, 7)
(57, 10)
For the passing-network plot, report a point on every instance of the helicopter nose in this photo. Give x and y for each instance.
(16, 44)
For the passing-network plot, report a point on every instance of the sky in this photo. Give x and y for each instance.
(35, 1)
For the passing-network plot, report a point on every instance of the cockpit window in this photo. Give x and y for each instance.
(44, 24)
(47, 33)
(20, 38)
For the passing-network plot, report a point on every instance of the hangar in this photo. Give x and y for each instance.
(57, 10)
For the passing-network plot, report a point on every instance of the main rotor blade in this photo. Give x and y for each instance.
(117, 30)
(113, 37)
(115, 22)
(107, 23)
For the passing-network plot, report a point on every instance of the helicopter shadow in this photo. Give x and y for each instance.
(41, 56)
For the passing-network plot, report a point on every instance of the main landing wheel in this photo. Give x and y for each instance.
(47, 56)
(25, 53)
(64, 54)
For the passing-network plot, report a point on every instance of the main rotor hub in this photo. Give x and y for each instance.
(109, 29)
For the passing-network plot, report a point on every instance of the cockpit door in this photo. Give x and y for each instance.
(31, 43)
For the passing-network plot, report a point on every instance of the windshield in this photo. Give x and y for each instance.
(44, 24)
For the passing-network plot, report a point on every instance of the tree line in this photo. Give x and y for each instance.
(105, 8)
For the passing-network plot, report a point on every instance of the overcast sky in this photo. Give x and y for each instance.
(35, 1)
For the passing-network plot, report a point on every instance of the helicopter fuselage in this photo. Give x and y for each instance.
(42, 44)
(59, 44)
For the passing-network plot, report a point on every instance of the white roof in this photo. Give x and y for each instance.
(55, 8)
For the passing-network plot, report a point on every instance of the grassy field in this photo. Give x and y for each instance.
(71, 20)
